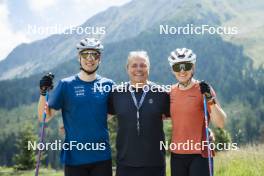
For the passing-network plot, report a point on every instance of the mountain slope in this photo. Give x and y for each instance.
(126, 22)
(120, 22)
(215, 58)
(248, 20)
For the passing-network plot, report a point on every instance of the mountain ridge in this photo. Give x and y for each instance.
(122, 22)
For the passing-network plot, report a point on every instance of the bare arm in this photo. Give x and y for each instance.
(41, 106)
(217, 115)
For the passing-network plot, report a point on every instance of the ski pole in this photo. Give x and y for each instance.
(207, 135)
(42, 132)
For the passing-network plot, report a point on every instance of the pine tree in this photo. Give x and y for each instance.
(25, 159)
(221, 136)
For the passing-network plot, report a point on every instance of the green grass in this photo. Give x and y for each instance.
(43, 172)
(247, 161)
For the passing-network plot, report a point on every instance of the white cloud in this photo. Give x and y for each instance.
(40, 5)
(45, 13)
(8, 38)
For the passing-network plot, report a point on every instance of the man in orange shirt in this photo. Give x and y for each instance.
(189, 157)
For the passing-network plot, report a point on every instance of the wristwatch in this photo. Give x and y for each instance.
(212, 102)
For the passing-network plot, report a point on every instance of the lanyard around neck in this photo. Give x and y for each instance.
(138, 105)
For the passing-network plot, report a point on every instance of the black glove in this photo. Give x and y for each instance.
(46, 83)
(205, 89)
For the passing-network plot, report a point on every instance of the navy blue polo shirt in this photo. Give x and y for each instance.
(139, 150)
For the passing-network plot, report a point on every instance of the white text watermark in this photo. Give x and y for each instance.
(191, 29)
(68, 30)
(126, 87)
(59, 145)
(191, 145)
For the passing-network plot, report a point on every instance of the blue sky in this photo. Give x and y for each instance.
(16, 16)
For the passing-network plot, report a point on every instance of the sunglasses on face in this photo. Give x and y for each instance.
(87, 54)
(182, 66)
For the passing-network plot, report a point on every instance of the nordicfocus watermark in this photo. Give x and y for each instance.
(190, 145)
(125, 87)
(68, 30)
(191, 29)
(59, 145)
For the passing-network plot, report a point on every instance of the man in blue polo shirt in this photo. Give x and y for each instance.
(86, 149)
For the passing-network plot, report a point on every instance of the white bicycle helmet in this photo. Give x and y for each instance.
(90, 43)
(181, 55)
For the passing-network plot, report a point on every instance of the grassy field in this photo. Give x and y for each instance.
(43, 172)
(248, 161)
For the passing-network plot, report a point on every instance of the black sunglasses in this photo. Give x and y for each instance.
(94, 54)
(182, 66)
